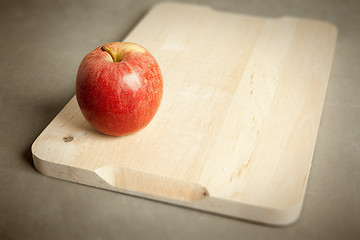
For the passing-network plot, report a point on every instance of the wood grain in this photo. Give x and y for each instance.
(237, 126)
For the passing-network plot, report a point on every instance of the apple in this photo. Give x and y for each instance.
(119, 88)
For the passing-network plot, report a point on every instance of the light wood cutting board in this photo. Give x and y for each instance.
(237, 126)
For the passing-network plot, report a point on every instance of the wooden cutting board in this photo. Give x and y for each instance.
(237, 126)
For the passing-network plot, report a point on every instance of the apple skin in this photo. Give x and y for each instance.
(119, 97)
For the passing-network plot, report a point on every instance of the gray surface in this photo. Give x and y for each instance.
(42, 43)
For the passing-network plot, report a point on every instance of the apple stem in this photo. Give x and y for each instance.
(106, 49)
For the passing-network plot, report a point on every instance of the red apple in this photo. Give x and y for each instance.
(119, 88)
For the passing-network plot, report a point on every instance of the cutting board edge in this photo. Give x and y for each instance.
(238, 210)
(209, 8)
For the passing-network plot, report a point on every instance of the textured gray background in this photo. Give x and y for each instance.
(42, 44)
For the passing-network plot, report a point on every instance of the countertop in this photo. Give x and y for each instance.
(42, 44)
